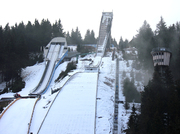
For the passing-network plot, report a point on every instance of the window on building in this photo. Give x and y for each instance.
(159, 60)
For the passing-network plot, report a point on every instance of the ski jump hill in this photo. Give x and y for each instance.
(54, 53)
(73, 110)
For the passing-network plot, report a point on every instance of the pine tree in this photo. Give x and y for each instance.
(130, 91)
(30, 41)
(93, 39)
(160, 105)
(152, 104)
(68, 38)
(45, 32)
(36, 37)
(121, 44)
(133, 123)
(57, 30)
(162, 33)
(76, 37)
(87, 39)
(144, 42)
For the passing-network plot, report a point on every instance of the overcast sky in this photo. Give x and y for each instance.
(128, 15)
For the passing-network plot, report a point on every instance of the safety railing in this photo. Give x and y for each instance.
(96, 103)
(32, 114)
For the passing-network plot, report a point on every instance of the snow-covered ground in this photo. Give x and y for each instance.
(74, 109)
(31, 75)
(52, 55)
(105, 96)
(16, 118)
(122, 116)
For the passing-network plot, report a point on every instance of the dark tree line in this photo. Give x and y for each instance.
(160, 101)
(18, 42)
(130, 91)
(20, 45)
(123, 44)
(160, 107)
(163, 36)
(75, 38)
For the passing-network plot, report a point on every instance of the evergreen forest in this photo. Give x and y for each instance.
(146, 40)
(21, 45)
(160, 100)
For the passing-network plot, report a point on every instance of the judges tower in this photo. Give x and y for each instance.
(161, 57)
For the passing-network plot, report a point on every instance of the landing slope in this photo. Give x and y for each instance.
(74, 109)
(17, 117)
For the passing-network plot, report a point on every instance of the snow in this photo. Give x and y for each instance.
(105, 96)
(74, 108)
(61, 51)
(16, 118)
(96, 61)
(31, 75)
(78, 107)
(40, 111)
(52, 55)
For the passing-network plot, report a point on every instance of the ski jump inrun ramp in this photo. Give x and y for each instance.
(54, 53)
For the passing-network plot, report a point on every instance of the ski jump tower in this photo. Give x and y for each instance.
(104, 33)
(161, 57)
